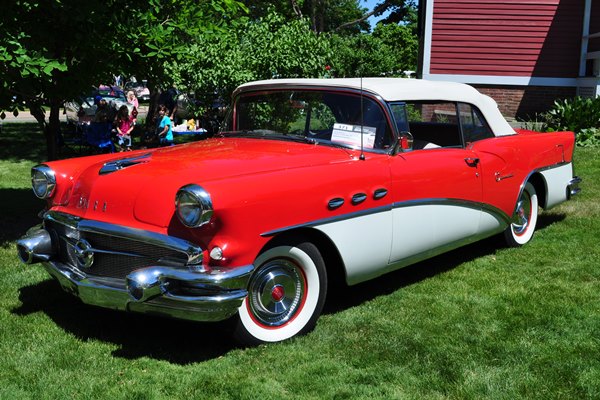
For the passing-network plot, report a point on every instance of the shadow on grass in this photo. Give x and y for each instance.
(184, 342)
(22, 141)
(19, 213)
(26, 141)
(137, 335)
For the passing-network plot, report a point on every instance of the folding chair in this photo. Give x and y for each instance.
(97, 136)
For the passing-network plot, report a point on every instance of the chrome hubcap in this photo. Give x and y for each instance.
(522, 215)
(276, 292)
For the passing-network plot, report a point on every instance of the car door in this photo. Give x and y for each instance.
(437, 201)
(437, 190)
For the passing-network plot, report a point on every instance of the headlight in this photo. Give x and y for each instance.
(43, 181)
(194, 206)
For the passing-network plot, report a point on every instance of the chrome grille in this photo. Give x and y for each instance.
(115, 257)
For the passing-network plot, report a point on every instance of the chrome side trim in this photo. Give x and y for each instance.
(501, 215)
(194, 252)
(502, 177)
(558, 164)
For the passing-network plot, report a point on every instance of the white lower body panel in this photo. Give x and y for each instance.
(371, 245)
(557, 180)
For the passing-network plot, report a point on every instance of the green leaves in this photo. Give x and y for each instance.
(388, 51)
(271, 47)
(580, 115)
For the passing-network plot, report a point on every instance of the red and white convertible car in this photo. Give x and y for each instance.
(308, 178)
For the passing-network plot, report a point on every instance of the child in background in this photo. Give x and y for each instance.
(125, 124)
(164, 126)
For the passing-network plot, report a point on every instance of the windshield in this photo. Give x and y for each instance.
(313, 116)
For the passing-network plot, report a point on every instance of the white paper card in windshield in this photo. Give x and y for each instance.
(350, 135)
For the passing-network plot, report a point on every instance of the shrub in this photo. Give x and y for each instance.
(588, 137)
(574, 114)
(580, 115)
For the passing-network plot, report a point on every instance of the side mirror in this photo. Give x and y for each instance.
(405, 140)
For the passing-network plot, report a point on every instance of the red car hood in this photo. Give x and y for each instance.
(145, 188)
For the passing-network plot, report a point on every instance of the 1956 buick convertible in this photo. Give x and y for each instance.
(308, 178)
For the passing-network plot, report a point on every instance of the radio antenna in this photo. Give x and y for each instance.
(362, 122)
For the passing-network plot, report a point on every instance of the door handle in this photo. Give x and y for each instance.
(472, 161)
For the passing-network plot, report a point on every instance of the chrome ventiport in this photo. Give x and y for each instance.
(35, 246)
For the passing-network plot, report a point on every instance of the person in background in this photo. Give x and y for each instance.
(164, 126)
(131, 99)
(102, 110)
(125, 124)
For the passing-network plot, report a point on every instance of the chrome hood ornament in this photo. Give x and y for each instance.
(113, 166)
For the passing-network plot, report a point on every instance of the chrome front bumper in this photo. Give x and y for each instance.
(141, 271)
(147, 290)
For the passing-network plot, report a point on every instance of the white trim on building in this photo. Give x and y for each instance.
(503, 80)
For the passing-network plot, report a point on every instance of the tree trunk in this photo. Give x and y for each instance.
(50, 128)
(52, 131)
(152, 110)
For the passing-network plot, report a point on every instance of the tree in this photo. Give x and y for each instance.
(271, 47)
(399, 11)
(54, 50)
(323, 15)
(389, 51)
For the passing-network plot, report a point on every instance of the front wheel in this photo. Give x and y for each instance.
(286, 294)
(523, 222)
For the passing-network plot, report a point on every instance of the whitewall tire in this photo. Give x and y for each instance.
(286, 294)
(522, 226)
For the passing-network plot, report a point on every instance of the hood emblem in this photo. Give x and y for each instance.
(84, 253)
(113, 166)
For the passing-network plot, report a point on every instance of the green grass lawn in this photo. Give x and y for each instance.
(480, 322)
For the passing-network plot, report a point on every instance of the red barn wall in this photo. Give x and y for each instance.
(539, 38)
(523, 53)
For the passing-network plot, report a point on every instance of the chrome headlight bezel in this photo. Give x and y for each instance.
(193, 206)
(43, 181)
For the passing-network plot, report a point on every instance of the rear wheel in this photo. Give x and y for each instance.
(523, 222)
(286, 294)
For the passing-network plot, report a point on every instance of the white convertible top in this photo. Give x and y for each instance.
(402, 89)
